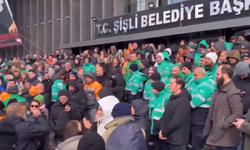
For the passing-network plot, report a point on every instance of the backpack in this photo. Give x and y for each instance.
(127, 136)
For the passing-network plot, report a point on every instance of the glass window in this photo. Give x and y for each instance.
(134, 6)
(167, 2)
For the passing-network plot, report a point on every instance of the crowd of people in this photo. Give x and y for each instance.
(190, 96)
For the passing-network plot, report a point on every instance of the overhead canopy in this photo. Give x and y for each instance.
(165, 32)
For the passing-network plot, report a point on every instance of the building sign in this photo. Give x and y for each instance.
(8, 30)
(175, 15)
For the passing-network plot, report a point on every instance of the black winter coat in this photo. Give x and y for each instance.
(175, 122)
(30, 132)
(59, 118)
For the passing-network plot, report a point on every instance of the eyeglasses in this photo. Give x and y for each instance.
(36, 106)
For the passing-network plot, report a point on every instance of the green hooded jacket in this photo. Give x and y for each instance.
(149, 95)
(88, 67)
(201, 91)
(135, 82)
(211, 73)
(188, 79)
(159, 104)
(56, 87)
(197, 54)
(127, 74)
(164, 68)
(16, 96)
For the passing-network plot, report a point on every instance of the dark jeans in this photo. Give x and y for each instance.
(196, 134)
(176, 147)
(225, 148)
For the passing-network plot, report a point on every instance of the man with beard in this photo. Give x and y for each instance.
(201, 90)
(225, 108)
(187, 70)
(211, 64)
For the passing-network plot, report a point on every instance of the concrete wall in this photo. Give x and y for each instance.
(45, 24)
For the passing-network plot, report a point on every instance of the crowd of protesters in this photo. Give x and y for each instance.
(188, 96)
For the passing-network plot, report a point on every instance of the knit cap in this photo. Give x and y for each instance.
(57, 64)
(133, 67)
(155, 76)
(158, 86)
(241, 68)
(40, 98)
(121, 109)
(153, 68)
(63, 93)
(213, 56)
(187, 65)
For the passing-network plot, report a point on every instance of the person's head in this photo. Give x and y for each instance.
(73, 128)
(181, 49)
(151, 70)
(202, 61)
(23, 74)
(46, 66)
(13, 68)
(73, 75)
(176, 84)
(242, 69)
(16, 73)
(115, 61)
(176, 70)
(159, 57)
(156, 76)
(40, 99)
(135, 45)
(80, 71)
(88, 79)
(54, 60)
(86, 60)
(32, 74)
(223, 56)
(186, 68)
(245, 47)
(99, 71)
(16, 109)
(211, 59)
(11, 83)
(132, 56)
(133, 68)
(34, 105)
(112, 49)
(39, 88)
(9, 77)
(67, 66)
(46, 76)
(105, 106)
(199, 72)
(27, 84)
(157, 87)
(246, 57)
(123, 59)
(63, 96)
(57, 65)
(121, 109)
(8, 134)
(22, 66)
(224, 74)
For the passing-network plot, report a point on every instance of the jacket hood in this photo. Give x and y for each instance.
(73, 83)
(203, 42)
(233, 54)
(141, 107)
(174, 49)
(103, 92)
(107, 104)
(91, 74)
(166, 56)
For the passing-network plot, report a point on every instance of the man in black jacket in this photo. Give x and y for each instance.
(28, 132)
(63, 111)
(175, 122)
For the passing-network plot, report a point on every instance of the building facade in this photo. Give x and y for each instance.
(47, 25)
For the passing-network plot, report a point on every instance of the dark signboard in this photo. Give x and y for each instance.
(8, 31)
(176, 15)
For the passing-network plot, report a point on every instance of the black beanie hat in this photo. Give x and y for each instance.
(133, 67)
(188, 65)
(155, 76)
(74, 74)
(63, 93)
(158, 86)
(8, 135)
(12, 100)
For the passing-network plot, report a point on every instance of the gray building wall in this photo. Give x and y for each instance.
(44, 25)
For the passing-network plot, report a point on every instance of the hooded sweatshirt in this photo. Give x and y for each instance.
(107, 103)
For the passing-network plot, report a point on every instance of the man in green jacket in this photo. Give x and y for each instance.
(13, 91)
(186, 68)
(88, 66)
(211, 65)
(57, 86)
(162, 95)
(201, 90)
(202, 47)
(135, 84)
(147, 92)
(133, 60)
(164, 66)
